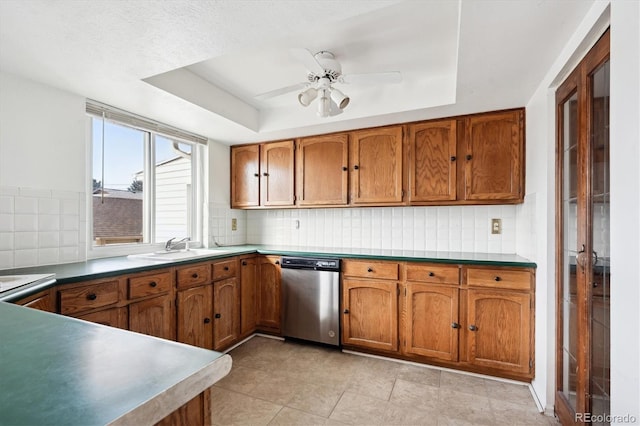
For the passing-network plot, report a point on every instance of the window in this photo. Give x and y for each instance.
(145, 181)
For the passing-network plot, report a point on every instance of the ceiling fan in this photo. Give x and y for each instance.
(324, 71)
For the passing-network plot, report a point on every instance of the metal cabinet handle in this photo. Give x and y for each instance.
(153, 284)
(369, 269)
(226, 268)
(91, 296)
(194, 275)
(344, 169)
(356, 167)
(256, 174)
(431, 274)
(455, 325)
(453, 158)
(207, 320)
(217, 316)
(277, 262)
(498, 279)
(265, 174)
(473, 328)
(244, 263)
(469, 157)
(346, 311)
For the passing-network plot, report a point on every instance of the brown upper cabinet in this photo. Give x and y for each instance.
(493, 147)
(432, 161)
(262, 175)
(473, 159)
(376, 166)
(322, 165)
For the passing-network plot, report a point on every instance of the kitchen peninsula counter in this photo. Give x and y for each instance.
(63, 371)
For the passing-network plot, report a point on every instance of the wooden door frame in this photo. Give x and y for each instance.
(576, 82)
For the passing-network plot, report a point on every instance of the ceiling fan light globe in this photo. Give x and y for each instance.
(306, 97)
(339, 98)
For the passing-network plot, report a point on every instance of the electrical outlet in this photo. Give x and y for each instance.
(496, 226)
(234, 224)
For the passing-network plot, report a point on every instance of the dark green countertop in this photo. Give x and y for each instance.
(112, 266)
(62, 371)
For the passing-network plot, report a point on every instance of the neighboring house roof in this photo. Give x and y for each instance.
(119, 214)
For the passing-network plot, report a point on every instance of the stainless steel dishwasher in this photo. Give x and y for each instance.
(311, 299)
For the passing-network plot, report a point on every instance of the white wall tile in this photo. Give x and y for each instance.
(25, 258)
(6, 204)
(48, 256)
(6, 241)
(25, 222)
(69, 222)
(69, 254)
(6, 259)
(48, 222)
(26, 205)
(9, 190)
(25, 240)
(7, 222)
(48, 206)
(35, 192)
(48, 239)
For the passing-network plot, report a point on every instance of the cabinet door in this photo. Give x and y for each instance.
(432, 168)
(195, 316)
(245, 176)
(376, 166)
(42, 301)
(499, 329)
(322, 164)
(114, 317)
(494, 156)
(370, 314)
(226, 313)
(432, 326)
(153, 317)
(268, 292)
(248, 301)
(276, 165)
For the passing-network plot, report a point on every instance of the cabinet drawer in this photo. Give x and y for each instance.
(379, 270)
(437, 274)
(499, 278)
(88, 297)
(194, 275)
(225, 269)
(150, 284)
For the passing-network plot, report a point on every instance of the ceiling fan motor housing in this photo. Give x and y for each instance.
(332, 68)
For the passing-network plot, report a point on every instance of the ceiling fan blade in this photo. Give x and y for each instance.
(307, 59)
(280, 91)
(375, 77)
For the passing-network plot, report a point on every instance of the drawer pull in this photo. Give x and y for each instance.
(356, 167)
(91, 296)
(497, 278)
(469, 157)
(277, 262)
(153, 284)
(455, 325)
(217, 315)
(369, 269)
(431, 274)
(256, 174)
(453, 158)
(207, 320)
(346, 311)
(473, 328)
(226, 268)
(244, 263)
(344, 169)
(194, 275)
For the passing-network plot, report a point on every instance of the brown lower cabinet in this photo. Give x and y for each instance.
(268, 294)
(248, 295)
(42, 301)
(195, 412)
(113, 317)
(473, 318)
(195, 316)
(226, 313)
(153, 317)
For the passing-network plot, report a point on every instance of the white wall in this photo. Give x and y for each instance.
(625, 208)
(42, 174)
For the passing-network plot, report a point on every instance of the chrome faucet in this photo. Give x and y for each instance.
(170, 245)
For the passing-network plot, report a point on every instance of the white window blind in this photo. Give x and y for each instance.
(111, 113)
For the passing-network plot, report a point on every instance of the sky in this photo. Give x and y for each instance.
(123, 153)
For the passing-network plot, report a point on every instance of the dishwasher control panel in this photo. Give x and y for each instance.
(310, 263)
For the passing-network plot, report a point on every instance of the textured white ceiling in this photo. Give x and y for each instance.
(474, 56)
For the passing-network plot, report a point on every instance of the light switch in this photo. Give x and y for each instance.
(496, 226)
(234, 224)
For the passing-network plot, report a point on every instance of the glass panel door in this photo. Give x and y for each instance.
(569, 248)
(599, 279)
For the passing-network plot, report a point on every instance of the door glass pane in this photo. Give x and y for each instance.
(569, 248)
(599, 282)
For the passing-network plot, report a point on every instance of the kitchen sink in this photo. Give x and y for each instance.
(167, 256)
(9, 282)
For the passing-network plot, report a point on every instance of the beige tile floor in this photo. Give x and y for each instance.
(273, 382)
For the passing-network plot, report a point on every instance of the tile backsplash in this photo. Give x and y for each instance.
(41, 227)
(450, 228)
